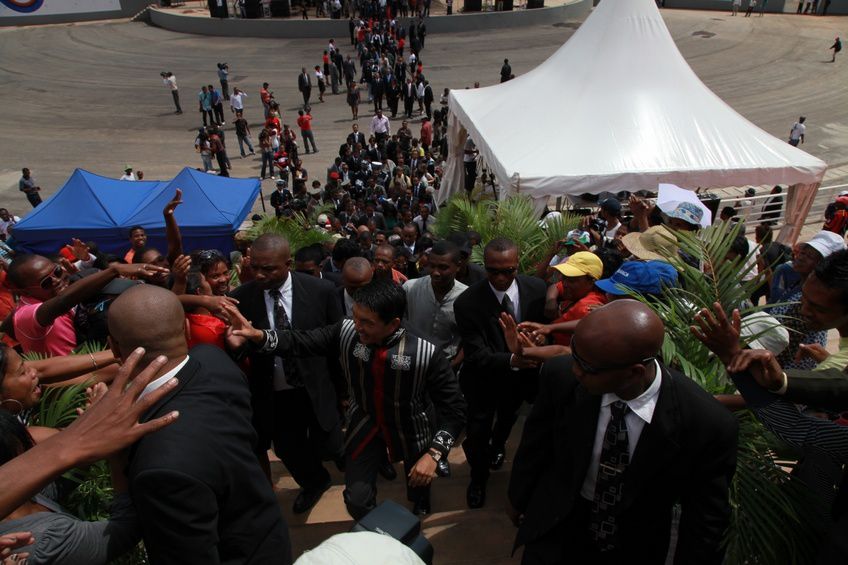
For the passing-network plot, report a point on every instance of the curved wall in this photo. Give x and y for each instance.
(75, 12)
(294, 28)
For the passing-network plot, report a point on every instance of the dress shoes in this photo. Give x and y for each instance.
(422, 506)
(497, 460)
(387, 471)
(308, 497)
(475, 496)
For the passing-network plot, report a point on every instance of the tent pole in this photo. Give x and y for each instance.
(262, 199)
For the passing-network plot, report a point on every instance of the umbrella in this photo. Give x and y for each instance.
(684, 204)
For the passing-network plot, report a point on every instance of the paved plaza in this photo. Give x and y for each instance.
(90, 96)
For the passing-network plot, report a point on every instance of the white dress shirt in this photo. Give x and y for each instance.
(641, 412)
(286, 292)
(380, 125)
(153, 385)
(512, 292)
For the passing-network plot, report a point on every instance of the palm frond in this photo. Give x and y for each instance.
(299, 230)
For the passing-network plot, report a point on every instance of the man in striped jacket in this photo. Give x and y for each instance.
(400, 385)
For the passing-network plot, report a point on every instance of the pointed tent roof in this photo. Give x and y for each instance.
(92, 207)
(617, 107)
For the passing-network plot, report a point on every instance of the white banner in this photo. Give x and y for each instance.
(12, 8)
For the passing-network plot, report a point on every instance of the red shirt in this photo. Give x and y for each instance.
(305, 122)
(273, 122)
(206, 329)
(427, 133)
(577, 311)
(265, 95)
(326, 59)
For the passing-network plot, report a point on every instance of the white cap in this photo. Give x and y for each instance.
(762, 331)
(360, 548)
(827, 242)
(843, 193)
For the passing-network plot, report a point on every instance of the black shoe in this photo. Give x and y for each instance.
(443, 468)
(307, 498)
(422, 506)
(497, 460)
(387, 471)
(475, 496)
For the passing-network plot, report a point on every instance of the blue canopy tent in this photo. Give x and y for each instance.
(100, 209)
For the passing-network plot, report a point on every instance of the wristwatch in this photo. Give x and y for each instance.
(436, 455)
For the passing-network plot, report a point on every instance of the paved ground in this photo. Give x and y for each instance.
(90, 96)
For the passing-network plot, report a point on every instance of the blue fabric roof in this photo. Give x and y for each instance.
(100, 209)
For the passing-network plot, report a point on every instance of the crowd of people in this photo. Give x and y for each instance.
(387, 344)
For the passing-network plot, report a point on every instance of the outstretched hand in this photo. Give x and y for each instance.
(812, 351)
(172, 205)
(510, 331)
(112, 423)
(241, 327)
(80, 249)
(141, 271)
(720, 335)
(762, 365)
(181, 267)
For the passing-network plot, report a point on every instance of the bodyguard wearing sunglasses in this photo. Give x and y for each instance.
(614, 441)
(43, 322)
(494, 381)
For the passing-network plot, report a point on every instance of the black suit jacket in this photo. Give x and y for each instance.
(200, 494)
(687, 454)
(314, 305)
(486, 355)
(823, 389)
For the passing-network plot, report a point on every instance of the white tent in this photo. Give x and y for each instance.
(618, 108)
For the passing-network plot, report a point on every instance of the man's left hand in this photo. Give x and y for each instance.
(423, 473)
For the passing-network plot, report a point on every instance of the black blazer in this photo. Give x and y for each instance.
(314, 305)
(687, 454)
(822, 389)
(486, 355)
(200, 494)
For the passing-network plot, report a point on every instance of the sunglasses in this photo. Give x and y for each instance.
(507, 271)
(47, 281)
(587, 368)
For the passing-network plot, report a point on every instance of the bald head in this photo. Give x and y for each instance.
(623, 330)
(356, 273)
(271, 243)
(613, 348)
(150, 317)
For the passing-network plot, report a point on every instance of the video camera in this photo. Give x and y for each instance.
(223, 66)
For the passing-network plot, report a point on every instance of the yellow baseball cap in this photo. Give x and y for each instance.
(581, 264)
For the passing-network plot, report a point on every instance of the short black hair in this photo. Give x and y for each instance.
(345, 249)
(728, 211)
(384, 297)
(740, 246)
(832, 272)
(443, 247)
(137, 257)
(500, 245)
(194, 281)
(313, 253)
(132, 229)
(14, 437)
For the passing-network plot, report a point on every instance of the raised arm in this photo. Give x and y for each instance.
(172, 229)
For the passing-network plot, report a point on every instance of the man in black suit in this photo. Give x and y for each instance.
(355, 137)
(356, 273)
(494, 381)
(308, 259)
(304, 85)
(299, 416)
(199, 491)
(614, 441)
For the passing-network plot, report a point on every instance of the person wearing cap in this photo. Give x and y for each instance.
(608, 222)
(788, 297)
(128, 174)
(657, 243)
(575, 240)
(577, 290)
(685, 217)
(647, 278)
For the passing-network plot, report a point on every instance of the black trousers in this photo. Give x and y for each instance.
(492, 411)
(307, 92)
(299, 440)
(470, 175)
(225, 89)
(407, 106)
(360, 494)
(176, 95)
(218, 109)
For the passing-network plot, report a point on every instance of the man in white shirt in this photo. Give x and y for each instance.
(469, 158)
(380, 127)
(170, 82)
(796, 134)
(237, 100)
(128, 174)
(7, 221)
(614, 442)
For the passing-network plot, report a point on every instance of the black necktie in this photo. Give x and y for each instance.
(615, 457)
(282, 323)
(508, 306)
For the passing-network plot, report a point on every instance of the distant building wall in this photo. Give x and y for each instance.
(31, 12)
(295, 28)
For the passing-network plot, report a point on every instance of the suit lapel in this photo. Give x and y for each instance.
(658, 444)
(297, 306)
(259, 316)
(581, 425)
(523, 299)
